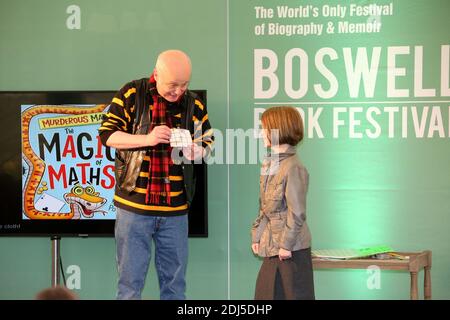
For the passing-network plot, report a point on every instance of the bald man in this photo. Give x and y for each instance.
(154, 190)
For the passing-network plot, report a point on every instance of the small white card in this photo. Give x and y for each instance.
(49, 203)
(180, 138)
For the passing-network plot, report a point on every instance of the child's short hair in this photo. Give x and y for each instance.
(288, 122)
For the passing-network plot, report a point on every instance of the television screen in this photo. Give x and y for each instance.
(57, 178)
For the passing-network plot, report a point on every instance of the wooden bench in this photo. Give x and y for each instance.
(415, 262)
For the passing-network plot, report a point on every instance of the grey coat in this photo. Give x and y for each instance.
(281, 222)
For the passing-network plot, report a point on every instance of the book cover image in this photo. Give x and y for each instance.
(66, 172)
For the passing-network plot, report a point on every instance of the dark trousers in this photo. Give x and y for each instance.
(290, 279)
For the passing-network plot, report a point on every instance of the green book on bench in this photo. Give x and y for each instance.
(350, 253)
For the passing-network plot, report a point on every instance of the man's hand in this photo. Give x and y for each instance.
(255, 248)
(284, 254)
(193, 152)
(159, 134)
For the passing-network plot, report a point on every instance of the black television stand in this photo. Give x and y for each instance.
(56, 260)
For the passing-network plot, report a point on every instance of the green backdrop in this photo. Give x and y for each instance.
(388, 188)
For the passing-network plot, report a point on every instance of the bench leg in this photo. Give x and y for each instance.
(414, 291)
(427, 283)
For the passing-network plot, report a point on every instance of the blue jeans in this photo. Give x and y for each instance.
(134, 235)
